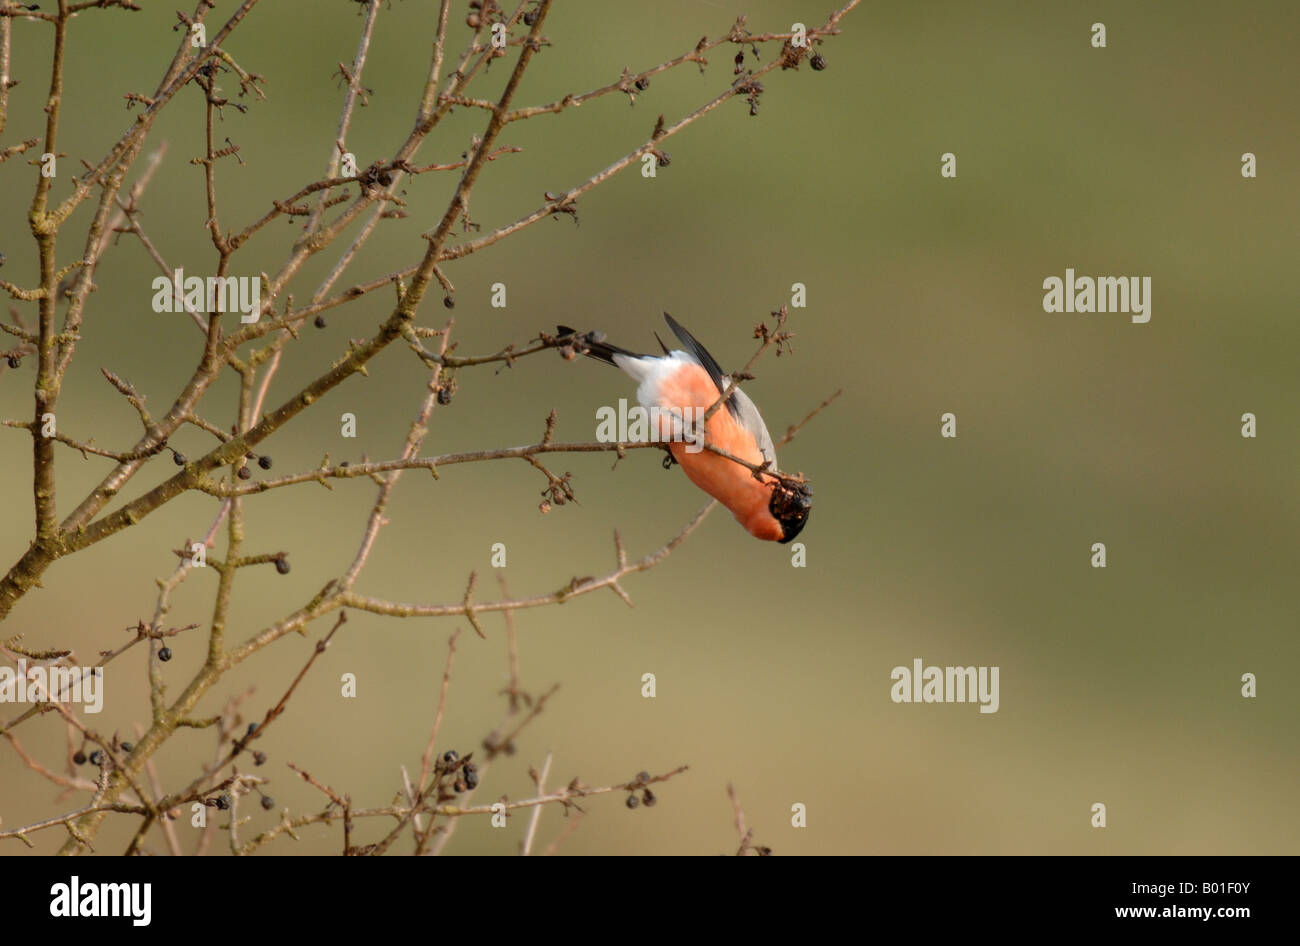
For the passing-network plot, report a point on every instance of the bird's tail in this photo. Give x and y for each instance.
(593, 344)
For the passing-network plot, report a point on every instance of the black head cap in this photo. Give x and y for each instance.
(790, 505)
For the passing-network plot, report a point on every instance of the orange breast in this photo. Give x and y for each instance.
(725, 480)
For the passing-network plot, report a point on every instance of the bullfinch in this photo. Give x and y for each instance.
(684, 383)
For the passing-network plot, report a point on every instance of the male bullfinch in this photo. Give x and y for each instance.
(686, 384)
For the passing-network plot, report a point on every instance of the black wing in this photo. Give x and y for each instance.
(705, 359)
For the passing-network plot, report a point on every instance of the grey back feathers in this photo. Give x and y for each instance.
(747, 415)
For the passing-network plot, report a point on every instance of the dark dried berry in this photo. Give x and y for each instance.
(164, 654)
(450, 756)
(633, 801)
(127, 747)
(649, 798)
(530, 18)
(471, 780)
(444, 396)
(268, 802)
(818, 62)
(15, 361)
(264, 462)
(97, 758)
(178, 458)
(459, 786)
(449, 301)
(642, 83)
(223, 802)
(664, 160)
(282, 566)
(79, 758)
(643, 777)
(252, 728)
(259, 758)
(319, 321)
(244, 472)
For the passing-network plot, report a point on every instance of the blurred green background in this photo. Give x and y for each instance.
(1119, 686)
